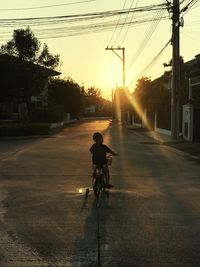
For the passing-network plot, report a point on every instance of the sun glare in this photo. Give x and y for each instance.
(113, 74)
(140, 111)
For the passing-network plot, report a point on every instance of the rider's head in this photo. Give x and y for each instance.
(98, 138)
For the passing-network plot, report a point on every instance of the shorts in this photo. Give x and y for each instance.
(94, 167)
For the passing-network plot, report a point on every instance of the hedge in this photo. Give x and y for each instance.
(19, 129)
(51, 115)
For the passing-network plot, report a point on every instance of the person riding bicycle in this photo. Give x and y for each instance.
(99, 160)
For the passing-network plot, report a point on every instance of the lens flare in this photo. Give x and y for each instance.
(140, 112)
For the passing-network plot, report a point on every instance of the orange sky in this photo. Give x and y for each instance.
(84, 56)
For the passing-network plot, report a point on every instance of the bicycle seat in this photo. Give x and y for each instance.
(99, 167)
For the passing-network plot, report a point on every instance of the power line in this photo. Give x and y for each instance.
(128, 25)
(148, 35)
(50, 27)
(66, 31)
(149, 66)
(187, 7)
(47, 6)
(123, 23)
(117, 24)
(102, 14)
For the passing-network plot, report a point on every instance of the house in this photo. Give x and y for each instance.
(22, 82)
(191, 111)
(90, 109)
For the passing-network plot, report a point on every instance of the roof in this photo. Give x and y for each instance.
(193, 61)
(7, 59)
(193, 66)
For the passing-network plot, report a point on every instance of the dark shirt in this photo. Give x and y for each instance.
(99, 153)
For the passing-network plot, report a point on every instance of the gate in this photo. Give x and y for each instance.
(196, 129)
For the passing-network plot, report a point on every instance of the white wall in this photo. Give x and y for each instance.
(187, 129)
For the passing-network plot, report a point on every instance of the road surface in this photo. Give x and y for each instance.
(151, 217)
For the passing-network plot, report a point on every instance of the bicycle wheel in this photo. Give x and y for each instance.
(95, 187)
(98, 185)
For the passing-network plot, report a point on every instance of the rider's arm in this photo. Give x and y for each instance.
(91, 149)
(113, 153)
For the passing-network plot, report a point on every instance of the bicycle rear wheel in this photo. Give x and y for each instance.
(98, 185)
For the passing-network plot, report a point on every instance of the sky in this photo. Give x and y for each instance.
(83, 54)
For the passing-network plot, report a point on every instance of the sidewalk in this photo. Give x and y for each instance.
(192, 148)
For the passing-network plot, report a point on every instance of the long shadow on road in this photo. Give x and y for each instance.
(88, 246)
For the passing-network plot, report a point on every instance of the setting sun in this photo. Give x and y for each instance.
(111, 76)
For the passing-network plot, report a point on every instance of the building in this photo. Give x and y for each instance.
(191, 111)
(22, 84)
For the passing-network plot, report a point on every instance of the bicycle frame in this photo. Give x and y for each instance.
(100, 182)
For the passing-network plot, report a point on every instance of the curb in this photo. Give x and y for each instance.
(167, 144)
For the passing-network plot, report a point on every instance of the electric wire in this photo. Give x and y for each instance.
(152, 62)
(188, 6)
(102, 14)
(196, 7)
(127, 29)
(116, 25)
(67, 31)
(50, 27)
(147, 36)
(125, 20)
(44, 7)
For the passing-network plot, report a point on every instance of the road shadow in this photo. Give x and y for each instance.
(88, 246)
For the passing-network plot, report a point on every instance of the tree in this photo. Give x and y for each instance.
(66, 93)
(25, 46)
(152, 95)
(22, 77)
(155, 98)
(47, 59)
(183, 79)
(142, 91)
(92, 96)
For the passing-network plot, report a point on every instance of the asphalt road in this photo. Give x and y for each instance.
(150, 218)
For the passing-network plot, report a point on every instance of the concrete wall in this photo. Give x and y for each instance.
(159, 130)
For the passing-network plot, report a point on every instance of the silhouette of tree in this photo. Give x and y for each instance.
(25, 46)
(66, 93)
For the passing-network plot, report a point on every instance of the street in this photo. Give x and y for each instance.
(150, 218)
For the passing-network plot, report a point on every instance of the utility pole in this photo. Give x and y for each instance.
(122, 58)
(175, 96)
(114, 49)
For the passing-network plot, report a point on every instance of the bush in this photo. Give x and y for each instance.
(19, 129)
(53, 114)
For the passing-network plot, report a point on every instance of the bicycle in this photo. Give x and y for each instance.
(100, 181)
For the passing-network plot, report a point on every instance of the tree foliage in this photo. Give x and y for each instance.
(27, 47)
(47, 59)
(142, 91)
(92, 96)
(22, 78)
(151, 95)
(66, 93)
(155, 98)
